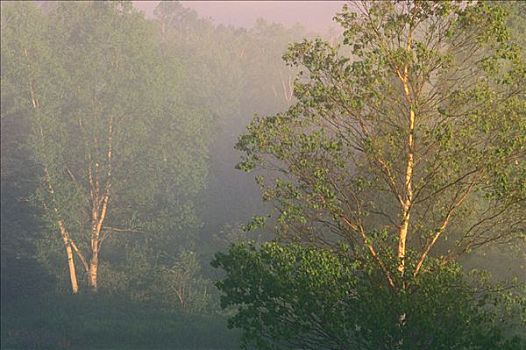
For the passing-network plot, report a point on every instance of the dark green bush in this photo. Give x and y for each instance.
(290, 296)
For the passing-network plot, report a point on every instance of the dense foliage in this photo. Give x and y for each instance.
(407, 139)
(292, 296)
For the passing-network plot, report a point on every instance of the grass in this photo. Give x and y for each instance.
(84, 322)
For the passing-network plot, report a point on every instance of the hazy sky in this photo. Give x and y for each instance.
(313, 15)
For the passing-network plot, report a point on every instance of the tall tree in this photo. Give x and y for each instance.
(118, 148)
(409, 135)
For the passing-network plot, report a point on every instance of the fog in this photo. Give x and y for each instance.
(315, 16)
(143, 140)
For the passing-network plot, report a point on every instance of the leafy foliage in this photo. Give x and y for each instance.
(407, 139)
(96, 96)
(292, 296)
(406, 145)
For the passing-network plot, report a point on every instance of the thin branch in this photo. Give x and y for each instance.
(390, 280)
(442, 228)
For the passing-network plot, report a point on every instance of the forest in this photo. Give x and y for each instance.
(168, 182)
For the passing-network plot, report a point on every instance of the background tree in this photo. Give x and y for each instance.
(97, 94)
(19, 224)
(233, 73)
(199, 79)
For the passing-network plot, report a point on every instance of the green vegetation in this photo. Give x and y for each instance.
(112, 127)
(402, 138)
(292, 296)
(83, 322)
(406, 145)
(389, 156)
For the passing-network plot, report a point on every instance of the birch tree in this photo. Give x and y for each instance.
(117, 147)
(406, 141)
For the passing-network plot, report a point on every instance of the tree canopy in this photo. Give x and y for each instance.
(406, 139)
(97, 90)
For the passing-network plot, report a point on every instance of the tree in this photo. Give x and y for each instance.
(98, 93)
(268, 80)
(406, 146)
(407, 140)
(292, 296)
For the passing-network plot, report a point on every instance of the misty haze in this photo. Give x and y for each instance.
(263, 175)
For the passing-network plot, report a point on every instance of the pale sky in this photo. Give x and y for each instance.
(313, 15)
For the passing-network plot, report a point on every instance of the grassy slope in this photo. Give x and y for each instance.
(108, 323)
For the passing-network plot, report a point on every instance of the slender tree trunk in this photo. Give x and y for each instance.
(408, 183)
(402, 239)
(93, 271)
(99, 211)
(62, 226)
(95, 245)
(67, 244)
(96, 229)
(71, 267)
(72, 271)
(69, 254)
(406, 209)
